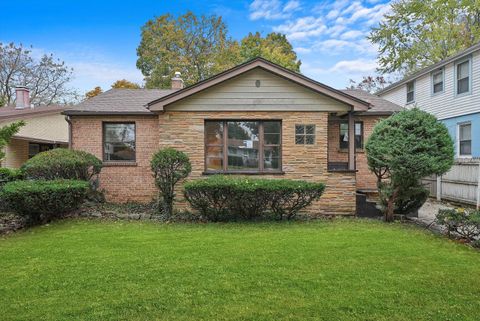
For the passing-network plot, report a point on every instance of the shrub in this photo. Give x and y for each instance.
(407, 201)
(405, 148)
(61, 163)
(222, 198)
(169, 166)
(10, 175)
(39, 201)
(460, 221)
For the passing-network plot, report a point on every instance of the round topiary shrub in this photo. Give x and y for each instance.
(40, 201)
(61, 163)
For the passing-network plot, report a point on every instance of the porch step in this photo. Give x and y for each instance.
(366, 208)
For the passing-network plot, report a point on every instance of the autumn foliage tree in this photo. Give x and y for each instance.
(199, 47)
(123, 83)
(94, 92)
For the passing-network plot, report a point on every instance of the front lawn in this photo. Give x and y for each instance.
(341, 270)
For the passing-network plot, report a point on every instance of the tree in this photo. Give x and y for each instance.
(195, 46)
(94, 92)
(123, 83)
(169, 166)
(418, 33)
(274, 47)
(370, 84)
(6, 134)
(405, 148)
(47, 78)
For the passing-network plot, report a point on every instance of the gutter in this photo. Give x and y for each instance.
(107, 113)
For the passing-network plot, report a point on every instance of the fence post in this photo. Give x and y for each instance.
(478, 187)
(439, 187)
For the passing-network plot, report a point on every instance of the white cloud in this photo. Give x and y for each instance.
(291, 6)
(302, 50)
(362, 66)
(302, 28)
(268, 9)
(352, 34)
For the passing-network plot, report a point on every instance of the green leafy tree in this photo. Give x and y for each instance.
(169, 166)
(418, 33)
(6, 134)
(198, 47)
(274, 47)
(405, 148)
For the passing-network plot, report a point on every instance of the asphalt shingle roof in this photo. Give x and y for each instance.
(10, 112)
(378, 104)
(119, 101)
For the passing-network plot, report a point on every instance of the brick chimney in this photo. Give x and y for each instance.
(22, 95)
(177, 81)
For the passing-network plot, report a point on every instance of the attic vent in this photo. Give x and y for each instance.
(257, 83)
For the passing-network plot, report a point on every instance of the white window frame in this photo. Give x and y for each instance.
(469, 92)
(406, 94)
(441, 70)
(458, 139)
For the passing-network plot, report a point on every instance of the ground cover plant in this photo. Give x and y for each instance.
(321, 270)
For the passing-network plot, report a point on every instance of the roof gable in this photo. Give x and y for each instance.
(353, 102)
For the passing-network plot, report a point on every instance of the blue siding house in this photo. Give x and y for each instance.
(449, 89)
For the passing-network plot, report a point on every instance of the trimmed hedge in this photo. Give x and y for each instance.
(40, 201)
(223, 198)
(61, 163)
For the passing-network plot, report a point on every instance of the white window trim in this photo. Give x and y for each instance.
(442, 70)
(457, 140)
(469, 92)
(414, 90)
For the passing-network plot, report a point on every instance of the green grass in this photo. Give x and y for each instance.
(341, 270)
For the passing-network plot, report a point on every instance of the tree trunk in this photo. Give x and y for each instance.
(391, 206)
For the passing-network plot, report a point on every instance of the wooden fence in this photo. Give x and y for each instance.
(461, 184)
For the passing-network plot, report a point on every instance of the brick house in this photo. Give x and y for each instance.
(255, 119)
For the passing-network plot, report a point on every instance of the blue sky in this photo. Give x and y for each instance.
(99, 38)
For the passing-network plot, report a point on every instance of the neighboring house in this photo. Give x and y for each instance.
(255, 119)
(449, 89)
(45, 128)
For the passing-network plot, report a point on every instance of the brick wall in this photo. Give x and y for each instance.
(122, 183)
(185, 131)
(364, 177)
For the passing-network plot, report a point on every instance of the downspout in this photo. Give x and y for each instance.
(69, 121)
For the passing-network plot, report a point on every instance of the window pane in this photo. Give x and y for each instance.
(214, 158)
(465, 132)
(272, 139)
(358, 128)
(410, 87)
(300, 139)
(299, 129)
(343, 135)
(462, 70)
(438, 88)
(271, 158)
(272, 127)
(409, 96)
(243, 144)
(310, 129)
(463, 86)
(309, 139)
(119, 142)
(214, 132)
(118, 133)
(466, 147)
(438, 77)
